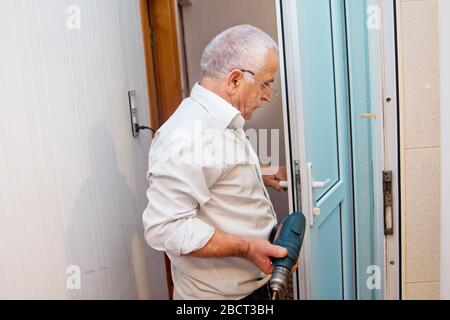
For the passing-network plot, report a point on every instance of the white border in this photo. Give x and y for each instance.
(287, 16)
(391, 144)
(383, 77)
(375, 39)
(286, 123)
(444, 26)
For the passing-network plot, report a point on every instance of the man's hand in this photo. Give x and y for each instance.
(273, 180)
(257, 251)
(260, 251)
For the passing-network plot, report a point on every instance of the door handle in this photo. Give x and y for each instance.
(320, 184)
(313, 211)
(284, 184)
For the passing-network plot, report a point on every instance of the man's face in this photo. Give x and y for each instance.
(250, 95)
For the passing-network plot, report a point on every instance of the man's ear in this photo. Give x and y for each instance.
(234, 79)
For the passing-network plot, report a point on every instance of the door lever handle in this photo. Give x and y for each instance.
(320, 184)
(283, 184)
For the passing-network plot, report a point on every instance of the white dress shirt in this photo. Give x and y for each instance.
(204, 175)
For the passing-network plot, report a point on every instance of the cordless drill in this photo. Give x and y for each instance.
(288, 234)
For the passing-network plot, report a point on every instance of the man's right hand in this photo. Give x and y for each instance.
(257, 251)
(260, 253)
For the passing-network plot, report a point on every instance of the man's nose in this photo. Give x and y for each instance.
(266, 96)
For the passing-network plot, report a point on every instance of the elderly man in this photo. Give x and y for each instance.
(208, 208)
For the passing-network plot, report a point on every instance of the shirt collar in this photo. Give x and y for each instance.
(223, 113)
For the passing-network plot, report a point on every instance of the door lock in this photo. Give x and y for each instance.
(387, 195)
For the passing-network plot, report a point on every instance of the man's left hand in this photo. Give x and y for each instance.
(273, 180)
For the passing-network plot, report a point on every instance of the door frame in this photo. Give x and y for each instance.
(163, 70)
(295, 148)
(149, 64)
(385, 140)
(389, 247)
(159, 21)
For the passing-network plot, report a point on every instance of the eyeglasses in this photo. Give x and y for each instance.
(264, 85)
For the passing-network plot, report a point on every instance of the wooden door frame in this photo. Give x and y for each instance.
(160, 38)
(159, 27)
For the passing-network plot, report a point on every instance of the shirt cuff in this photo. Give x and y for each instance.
(193, 236)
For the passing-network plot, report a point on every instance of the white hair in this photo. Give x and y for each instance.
(240, 47)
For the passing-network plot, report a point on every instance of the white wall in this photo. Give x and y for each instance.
(72, 179)
(203, 20)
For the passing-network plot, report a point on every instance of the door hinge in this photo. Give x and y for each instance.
(387, 196)
(152, 36)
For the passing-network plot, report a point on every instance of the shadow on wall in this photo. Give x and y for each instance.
(105, 235)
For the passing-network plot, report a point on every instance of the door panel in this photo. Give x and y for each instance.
(318, 91)
(321, 29)
(328, 201)
(360, 101)
(329, 72)
(327, 278)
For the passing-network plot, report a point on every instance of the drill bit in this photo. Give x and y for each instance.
(275, 295)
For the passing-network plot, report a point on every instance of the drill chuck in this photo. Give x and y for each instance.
(289, 233)
(279, 280)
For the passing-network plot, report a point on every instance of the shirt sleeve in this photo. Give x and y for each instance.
(178, 187)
